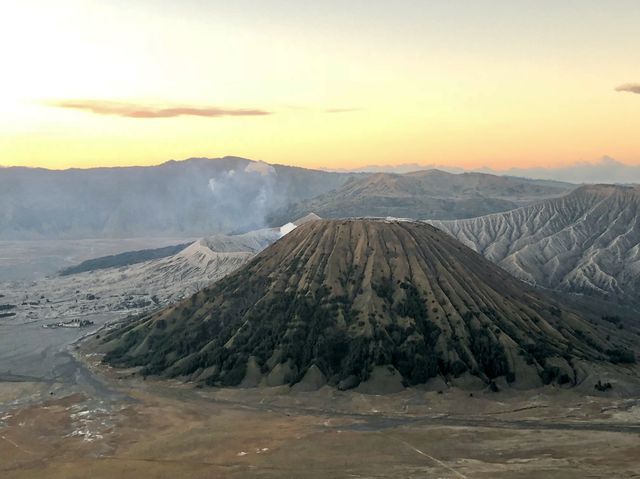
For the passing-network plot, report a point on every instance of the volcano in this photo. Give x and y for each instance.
(377, 305)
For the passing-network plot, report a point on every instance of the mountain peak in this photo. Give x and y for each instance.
(360, 300)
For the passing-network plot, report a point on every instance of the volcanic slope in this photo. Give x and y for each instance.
(365, 303)
(585, 242)
(137, 287)
(428, 194)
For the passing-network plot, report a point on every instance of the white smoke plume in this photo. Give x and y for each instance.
(247, 193)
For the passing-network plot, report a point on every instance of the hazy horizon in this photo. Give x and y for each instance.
(470, 85)
(603, 170)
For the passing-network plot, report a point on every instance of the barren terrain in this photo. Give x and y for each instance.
(167, 429)
(586, 242)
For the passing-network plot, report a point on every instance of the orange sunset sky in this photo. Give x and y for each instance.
(335, 84)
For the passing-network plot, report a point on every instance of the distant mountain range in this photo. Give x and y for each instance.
(604, 170)
(200, 197)
(376, 305)
(585, 242)
(195, 197)
(431, 194)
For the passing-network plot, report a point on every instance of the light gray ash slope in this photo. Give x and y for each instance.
(585, 242)
(134, 288)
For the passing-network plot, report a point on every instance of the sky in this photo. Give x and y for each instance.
(335, 84)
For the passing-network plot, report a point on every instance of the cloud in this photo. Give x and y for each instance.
(341, 110)
(630, 87)
(132, 110)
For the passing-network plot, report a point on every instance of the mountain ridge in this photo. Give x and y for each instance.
(428, 194)
(604, 170)
(585, 242)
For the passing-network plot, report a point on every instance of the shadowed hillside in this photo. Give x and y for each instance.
(365, 303)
